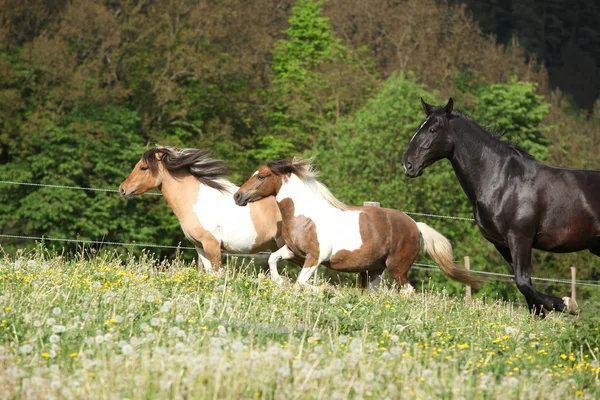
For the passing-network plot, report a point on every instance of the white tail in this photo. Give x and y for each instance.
(439, 248)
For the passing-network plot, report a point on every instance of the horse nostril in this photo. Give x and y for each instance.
(408, 166)
(237, 196)
(122, 191)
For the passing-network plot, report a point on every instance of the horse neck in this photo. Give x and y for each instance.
(182, 192)
(477, 161)
(300, 193)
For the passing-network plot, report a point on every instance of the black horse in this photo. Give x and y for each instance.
(518, 202)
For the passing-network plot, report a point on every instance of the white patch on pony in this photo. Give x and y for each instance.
(305, 275)
(337, 229)
(407, 289)
(204, 260)
(230, 224)
(419, 128)
(283, 253)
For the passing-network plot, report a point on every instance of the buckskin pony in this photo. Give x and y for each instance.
(320, 229)
(195, 187)
(519, 203)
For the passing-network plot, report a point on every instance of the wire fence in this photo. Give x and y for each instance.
(428, 267)
(160, 194)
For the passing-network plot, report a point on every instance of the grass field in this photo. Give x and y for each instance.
(105, 328)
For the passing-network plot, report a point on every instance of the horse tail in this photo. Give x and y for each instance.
(439, 248)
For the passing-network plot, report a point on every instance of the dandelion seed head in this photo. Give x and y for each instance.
(26, 348)
(56, 311)
(155, 321)
(127, 349)
(50, 321)
(54, 338)
(37, 323)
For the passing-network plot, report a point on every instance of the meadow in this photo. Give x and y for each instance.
(135, 328)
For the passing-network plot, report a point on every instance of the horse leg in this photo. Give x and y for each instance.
(212, 252)
(398, 265)
(283, 253)
(520, 249)
(505, 252)
(203, 260)
(308, 270)
(376, 282)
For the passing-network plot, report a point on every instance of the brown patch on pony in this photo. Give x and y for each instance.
(263, 213)
(390, 240)
(184, 195)
(299, 232)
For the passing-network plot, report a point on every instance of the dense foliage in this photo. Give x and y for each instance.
(86, 86)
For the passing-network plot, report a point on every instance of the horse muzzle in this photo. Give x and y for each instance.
(241, 199)
(125, 194)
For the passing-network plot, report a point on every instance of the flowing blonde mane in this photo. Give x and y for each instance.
(305, 170)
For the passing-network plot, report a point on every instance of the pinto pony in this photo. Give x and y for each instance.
(320, 229)
(195, 187)
(518, 202)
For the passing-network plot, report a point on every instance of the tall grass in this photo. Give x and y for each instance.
(100, 327)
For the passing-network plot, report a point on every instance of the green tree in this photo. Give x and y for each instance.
(315, 79)
(516, 110)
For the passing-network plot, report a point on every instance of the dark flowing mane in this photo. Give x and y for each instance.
(304, 170)
(199, 163)
(499, 139)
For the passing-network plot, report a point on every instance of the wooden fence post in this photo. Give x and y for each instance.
(468, 267)
(371, 204)
(573, 294)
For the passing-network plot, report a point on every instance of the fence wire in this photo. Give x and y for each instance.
(427, 267)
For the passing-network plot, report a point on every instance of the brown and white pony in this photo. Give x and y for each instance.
(321, 230)
(195, 187)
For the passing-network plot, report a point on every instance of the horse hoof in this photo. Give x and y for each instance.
(570, 305)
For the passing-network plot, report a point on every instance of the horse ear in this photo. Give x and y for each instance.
(448, 107)
(427, 108)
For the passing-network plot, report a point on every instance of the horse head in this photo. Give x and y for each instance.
(431, 142)
(146, 175)
(263, 183)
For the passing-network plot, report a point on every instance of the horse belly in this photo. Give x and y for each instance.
(239, 234)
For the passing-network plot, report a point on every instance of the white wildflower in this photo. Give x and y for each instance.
(127, 349)
(26, 348)
(511, 331)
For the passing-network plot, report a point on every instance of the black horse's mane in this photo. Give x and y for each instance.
(199, 163)
(498, 138)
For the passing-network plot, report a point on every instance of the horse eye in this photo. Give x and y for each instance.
(144, 168)
(260, 177)
(432, 130)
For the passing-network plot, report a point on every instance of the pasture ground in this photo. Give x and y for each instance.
(104, 328)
